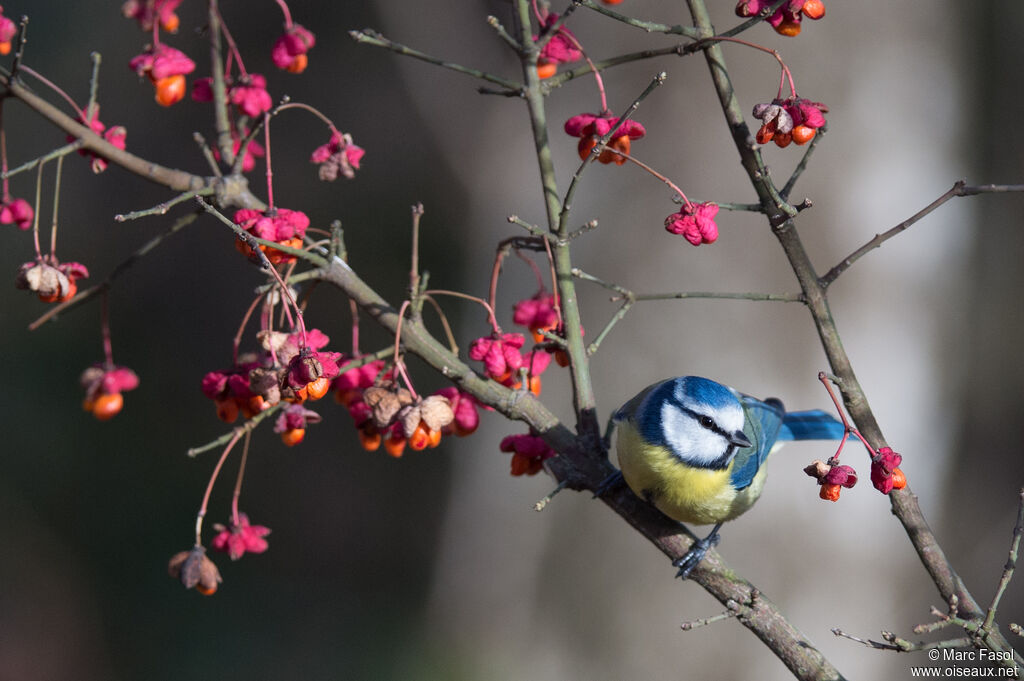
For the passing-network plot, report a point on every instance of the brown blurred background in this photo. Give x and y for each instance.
(434, 566)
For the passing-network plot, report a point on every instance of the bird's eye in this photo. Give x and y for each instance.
(706, 421)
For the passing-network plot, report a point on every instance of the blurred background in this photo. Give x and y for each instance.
(434, 566)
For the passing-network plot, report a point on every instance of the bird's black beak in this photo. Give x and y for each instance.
(740, 440)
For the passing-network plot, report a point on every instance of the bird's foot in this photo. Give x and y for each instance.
(692, 558)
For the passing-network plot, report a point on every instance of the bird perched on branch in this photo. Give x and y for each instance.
(696, 450)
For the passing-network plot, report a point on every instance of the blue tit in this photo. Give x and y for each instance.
(696, 450)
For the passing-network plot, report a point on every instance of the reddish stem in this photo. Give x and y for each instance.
(827, 382)
(786, 73)
(53, 86)
(555, 295)
(108, 350)
(287, 293)
(35, 216)
(269, 171)
(3, 156)
(535, 268)
(232, 48)
(209, 486)
(286, 12)
(313, 110)
(399, 364)
(653, 172)
(354, 309)
(238, 480)
(241, 329)
(156, 31)
(456, 294)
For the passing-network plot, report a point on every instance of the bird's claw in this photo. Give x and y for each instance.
(692, 558)
(613, 480)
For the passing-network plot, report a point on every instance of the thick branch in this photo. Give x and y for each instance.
(583, 391)
(232, 191)
(904, 502)
(581, 468)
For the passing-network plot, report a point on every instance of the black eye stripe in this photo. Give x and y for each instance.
(705, 420)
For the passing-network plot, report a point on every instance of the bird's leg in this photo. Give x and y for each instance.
(606, 441)
(615, 479)
(695, 555)
(612, 481)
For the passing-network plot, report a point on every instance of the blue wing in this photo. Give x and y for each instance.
(764, 422)
(811, 425)
(768, 423)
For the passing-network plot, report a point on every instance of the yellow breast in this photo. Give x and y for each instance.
(680, 491)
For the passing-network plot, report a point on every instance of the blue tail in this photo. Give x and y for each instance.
(810, 425)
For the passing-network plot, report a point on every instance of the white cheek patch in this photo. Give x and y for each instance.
(688, 440)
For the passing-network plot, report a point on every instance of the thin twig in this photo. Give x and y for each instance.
(802, 165)
(602, 144)
(1011, 563)
(159, 209)
(959, 188)
(123, 266)
(493, 22)
(248, 426)
(370, 37)
(69, 148)
(648, 26)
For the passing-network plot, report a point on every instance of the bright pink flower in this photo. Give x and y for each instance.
(529, 453)
(805, 112)
(289, 51)
(350, 383)
(277, 225)
(590, 128)
(16, 211)
(696, 222)
(563, 47)
(237, 539)
(103, 388)
(841, 475)
(309, 365)
(146, 11)
(786, 20)
(500, 355)
(295, 417)
(537, 314)
(232, 392)
(7, 32)
(882, 467)
(338, 157)
(464, 406)
(202, 89)
(251, 96)
(253, 151)
(116, 135)
(285, 226)
(217, 385)
(793, 119)
(163, 62)
(748, 8)
(52, 281)
(166, 68)
(535, 362)
(358, 378)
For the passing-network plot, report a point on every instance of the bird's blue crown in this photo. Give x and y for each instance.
(695, 390)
